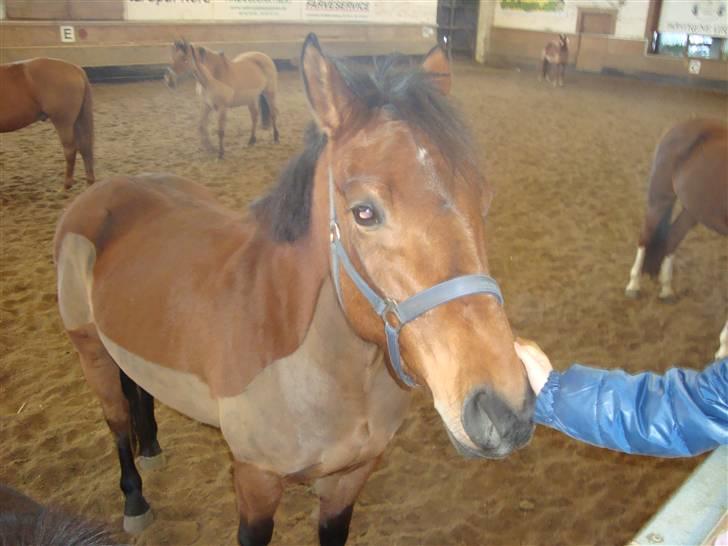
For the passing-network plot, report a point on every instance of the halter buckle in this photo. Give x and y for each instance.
(391, 311)
(334, 231)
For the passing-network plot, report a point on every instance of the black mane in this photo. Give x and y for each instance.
(407, 93)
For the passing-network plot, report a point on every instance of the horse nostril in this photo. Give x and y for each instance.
(492, 424)
(477, 423)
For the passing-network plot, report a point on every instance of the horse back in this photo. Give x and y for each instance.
(177, 280)
(700, 180)
(59, 87)
(259, 66)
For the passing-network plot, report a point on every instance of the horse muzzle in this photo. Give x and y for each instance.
(493, 427)
(170, 78)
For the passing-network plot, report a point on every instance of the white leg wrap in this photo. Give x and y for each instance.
(633, 288)
(666, 291)
(723, 349)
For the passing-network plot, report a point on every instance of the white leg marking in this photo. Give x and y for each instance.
(723, 349)
(633, 287)
(75, 278)
(666, 291)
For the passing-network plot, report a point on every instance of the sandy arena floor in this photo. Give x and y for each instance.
(569, 167)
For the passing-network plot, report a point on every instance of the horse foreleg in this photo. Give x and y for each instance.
(221, 121)
(337, 494)
(204, 120)
(68, 141)
(633, 287)
(723, 339)
(258, 493)
(253, 109)
(679, 228)
(103, 375)
(544, 70)
(562, 71)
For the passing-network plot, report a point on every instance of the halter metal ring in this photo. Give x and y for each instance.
(391, 310)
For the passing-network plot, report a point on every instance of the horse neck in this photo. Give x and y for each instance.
(216, 64)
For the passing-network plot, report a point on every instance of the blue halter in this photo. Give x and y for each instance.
(396, 314)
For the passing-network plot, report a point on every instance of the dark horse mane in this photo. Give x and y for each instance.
(407, 93)
(24, 522)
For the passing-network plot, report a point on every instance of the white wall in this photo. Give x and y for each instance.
(2, 9)
(631, 17)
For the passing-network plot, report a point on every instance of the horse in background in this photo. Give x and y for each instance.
(41, 89)
(690, 166)
(556, 55)
(250, 79)
(24, 522)
(300, 328)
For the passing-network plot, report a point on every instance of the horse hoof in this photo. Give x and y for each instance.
(632, 294)
(252, 142)
(155, 462)
(136, 524)
(668, 298)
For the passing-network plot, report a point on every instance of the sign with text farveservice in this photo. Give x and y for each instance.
(372, 11)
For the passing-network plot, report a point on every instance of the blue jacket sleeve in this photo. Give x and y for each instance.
(684, 412)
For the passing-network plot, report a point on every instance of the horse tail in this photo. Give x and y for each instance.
(83, 129)
(265, 116)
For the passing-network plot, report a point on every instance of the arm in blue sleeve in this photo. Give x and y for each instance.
(684, 412)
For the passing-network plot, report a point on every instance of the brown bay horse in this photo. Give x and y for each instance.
(556, 55)
(41, 89)
(690, 166)
(300, 327)
(250, 79)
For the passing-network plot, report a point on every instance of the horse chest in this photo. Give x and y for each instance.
(329, 405)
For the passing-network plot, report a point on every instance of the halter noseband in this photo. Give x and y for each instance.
(409, 309)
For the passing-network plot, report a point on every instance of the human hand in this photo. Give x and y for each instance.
(537, 364)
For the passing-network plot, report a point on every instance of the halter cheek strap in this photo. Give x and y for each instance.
(396, 314)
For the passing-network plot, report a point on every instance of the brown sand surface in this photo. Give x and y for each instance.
(569, 167)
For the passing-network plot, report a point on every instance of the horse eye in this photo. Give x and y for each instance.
(365, 215)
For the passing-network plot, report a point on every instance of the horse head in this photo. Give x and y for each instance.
(407, 206)
(180, 64)
(563, 41)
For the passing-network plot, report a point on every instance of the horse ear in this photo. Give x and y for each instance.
(437, 64)
(330, 99)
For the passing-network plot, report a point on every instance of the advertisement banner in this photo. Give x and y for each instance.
(371, 11)
(703, 17)
(533, 5)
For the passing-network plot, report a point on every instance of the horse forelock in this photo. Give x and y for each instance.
(409, 94)
(181, 45)
(404, 92)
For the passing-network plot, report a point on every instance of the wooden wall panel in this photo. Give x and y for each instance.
(37, 9)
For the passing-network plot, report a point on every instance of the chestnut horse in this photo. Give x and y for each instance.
(690, 165)
(250, 79)
(41, 89)
(300, 328)
(555, 54)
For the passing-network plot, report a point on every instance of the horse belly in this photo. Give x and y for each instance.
(179, 390)
(298, 418)
(17, 110)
